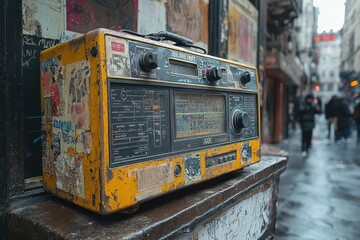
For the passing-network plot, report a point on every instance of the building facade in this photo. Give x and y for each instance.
(329, 47)
(283, 70)
(307, 30)
(350, 50)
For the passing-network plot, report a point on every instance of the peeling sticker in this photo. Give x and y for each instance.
(65, 122)
(117, 57)
(77, 75)
(246, 153)
(63, 131)
(69, 174)
(83, 141)
(154, 177)
(192, 168)
(46, 154)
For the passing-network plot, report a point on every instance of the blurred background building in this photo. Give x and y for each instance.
(306, 26)
(284, 72)
(350, 50)
(329, 47)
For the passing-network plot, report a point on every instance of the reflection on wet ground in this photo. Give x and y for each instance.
(319, 195)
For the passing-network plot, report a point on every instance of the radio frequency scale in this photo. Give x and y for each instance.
(127, 119)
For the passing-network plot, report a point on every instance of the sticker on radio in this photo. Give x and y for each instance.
(117, 57)
(246, 152)
(192, 168)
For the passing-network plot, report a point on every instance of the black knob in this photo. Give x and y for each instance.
(213, 74)
(245, 78)
(148, 61)
(240, 120)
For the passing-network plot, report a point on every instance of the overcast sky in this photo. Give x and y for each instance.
(331, 14)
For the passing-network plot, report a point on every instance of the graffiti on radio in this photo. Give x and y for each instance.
(64, 126)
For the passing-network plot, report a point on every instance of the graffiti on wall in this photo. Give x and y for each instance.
(85, 15)
(32, 46)
(66, 122)
(249, 218)
(189, 18)
(242, 41)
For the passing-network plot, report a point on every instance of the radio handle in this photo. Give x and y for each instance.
(164, 35)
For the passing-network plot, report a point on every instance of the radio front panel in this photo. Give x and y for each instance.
(127, 119)
(148, 122)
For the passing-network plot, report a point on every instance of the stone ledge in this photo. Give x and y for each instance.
(170, 216)
(271, 150)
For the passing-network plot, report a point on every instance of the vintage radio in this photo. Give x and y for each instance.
(126, 119)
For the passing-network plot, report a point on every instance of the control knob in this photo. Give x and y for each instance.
(148, 61)
(245, 78)
(240, 120)
(213, 74)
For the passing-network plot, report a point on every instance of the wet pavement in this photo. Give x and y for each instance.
(319, 195)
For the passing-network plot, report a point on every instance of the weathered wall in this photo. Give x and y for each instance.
(242, 39)
(43, 24)
(85, 15)
(11, 105)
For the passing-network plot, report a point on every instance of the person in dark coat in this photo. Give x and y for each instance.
(343, 119)
(329, 113)
(307, 111)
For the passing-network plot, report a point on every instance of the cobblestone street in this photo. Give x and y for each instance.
(319, 196)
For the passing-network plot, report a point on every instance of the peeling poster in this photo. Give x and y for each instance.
(70, 174)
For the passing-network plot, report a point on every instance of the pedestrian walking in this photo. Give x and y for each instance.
(307, 111)
(329, 113)
(343, 118)
(357, 120)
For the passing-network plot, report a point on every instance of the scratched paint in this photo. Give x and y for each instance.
(150, 179)
(242, 40)
(248, 219)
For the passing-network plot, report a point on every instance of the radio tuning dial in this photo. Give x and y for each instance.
(148, 61)
(245, 78)
(240, 120)
(213, 74)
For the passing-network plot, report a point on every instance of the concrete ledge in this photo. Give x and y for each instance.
(271, 150)
(171, 216)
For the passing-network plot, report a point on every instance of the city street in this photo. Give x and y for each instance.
(319, 195)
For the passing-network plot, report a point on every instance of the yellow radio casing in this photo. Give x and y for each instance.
(83, 84)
